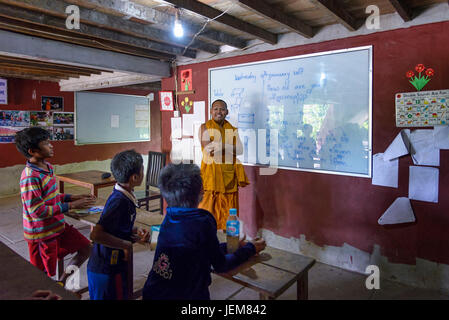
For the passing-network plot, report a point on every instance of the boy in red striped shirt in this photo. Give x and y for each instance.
(45, 230)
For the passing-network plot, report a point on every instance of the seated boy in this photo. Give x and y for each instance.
(48, 236)
(188, 246)
(114, 234)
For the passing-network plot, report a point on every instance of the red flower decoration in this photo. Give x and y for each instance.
(420, 68)
(430, 72)
(409, 74)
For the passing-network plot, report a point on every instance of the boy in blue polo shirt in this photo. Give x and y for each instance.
(114, 234)
(187, 245)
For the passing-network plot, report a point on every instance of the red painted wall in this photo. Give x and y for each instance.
(331, 209)
(20, 97)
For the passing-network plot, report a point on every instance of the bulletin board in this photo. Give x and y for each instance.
(111, 118)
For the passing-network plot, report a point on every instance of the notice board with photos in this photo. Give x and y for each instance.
(111, 118)
(320, 105)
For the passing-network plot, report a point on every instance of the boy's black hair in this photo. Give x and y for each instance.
(29, 138)
(181, 184)
(125, 164)
(219, 100)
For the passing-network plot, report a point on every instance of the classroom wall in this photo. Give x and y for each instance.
(334, 218)
(68, 157)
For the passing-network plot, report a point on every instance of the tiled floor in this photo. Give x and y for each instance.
(325, 282)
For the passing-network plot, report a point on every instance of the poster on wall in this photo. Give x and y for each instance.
(422, 109)
(41, 119)
(7, 134)
(63, 133)
(3, 91)
(166, 99)
(52, 103)
(63, 119)
(14, 118)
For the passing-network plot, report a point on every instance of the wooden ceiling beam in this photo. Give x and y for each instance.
(226, 19)
(338, 12)
(164, 21)
(99, 34)
(118, 24)
(403, 10)
(25, 64)
(43, 31)
(36, 72)
(37, 48)
(273, 13)
(44, 65)
(8, 74)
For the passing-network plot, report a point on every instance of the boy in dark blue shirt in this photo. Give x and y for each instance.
(188, 246)
(114, 233)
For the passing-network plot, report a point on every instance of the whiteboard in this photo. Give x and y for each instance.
(111, 118)
(319, 104)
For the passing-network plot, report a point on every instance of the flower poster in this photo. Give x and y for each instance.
(422, 109)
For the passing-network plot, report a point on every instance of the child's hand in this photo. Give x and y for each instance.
(75, 197)
(243, 241)
(259, 244)
(143, 236)
(83, 203)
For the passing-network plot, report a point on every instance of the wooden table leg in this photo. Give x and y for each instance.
(302, 289)
(61, 186)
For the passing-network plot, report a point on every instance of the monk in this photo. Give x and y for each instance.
(221, 172)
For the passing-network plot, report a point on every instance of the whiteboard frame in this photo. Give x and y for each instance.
(370, 105)
(118, 94)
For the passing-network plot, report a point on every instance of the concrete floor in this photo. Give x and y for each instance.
(325, 282)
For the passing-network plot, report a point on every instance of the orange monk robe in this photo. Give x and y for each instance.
(221, 180)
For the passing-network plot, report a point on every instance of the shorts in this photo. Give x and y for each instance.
(107, 286)
(44, 254)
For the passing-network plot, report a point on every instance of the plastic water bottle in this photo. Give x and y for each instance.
(232, 231)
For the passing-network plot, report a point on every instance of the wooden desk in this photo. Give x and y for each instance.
(88, 179)
(19, 278)
(272, 272)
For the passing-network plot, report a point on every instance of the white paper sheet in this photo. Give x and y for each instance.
(187, 124)
(385, 173)
(441, 137)
(199, 110)
(423, 184)
(176, 151)
(399, 147)
(400, 211)
(422, 144)
(176, 129)
(115, 121)
(187, 149)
